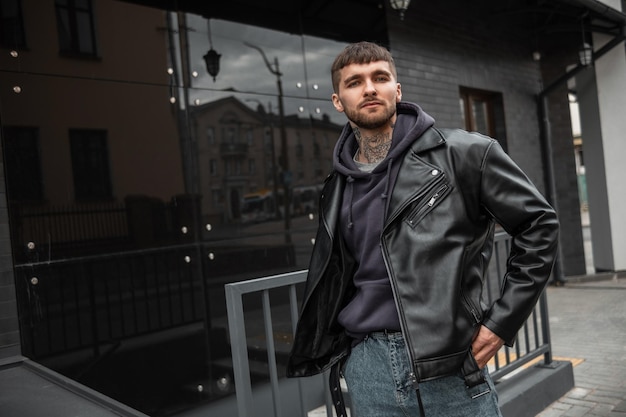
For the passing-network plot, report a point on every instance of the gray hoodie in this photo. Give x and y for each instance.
(363, 213)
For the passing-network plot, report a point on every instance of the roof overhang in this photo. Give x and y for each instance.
(352, 20)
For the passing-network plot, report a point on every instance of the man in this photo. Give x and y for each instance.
(406, 227)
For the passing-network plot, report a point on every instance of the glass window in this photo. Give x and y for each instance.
(22, 163)
(90, 164)
(149, 205)
(11, 24)
(483, 111)
(75, 27)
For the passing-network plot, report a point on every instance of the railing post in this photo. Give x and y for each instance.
(239, 345)
(293, 306)
(545, 327)
(239, 348)
(271, 352)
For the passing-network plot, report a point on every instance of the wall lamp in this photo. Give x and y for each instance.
(212, 61)
(585, 54)
(400, 5)
(212, 58)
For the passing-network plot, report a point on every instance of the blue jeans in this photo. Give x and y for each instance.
(377, 375)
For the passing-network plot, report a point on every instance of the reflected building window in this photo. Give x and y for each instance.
(11, 24)
(75, 27)
(161, 206)
(267, 139)
(269, 173)
(299, 146)
(22, 163)
(230, 135)
(210, 135)
(317, 168)
(316, 150)
(217, 197)
(90, 164)
(300, 172)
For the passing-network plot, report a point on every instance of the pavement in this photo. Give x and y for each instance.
(588, 327)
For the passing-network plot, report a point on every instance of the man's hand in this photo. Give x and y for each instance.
(485, 345)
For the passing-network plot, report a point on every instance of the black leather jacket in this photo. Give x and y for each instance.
(452, 188)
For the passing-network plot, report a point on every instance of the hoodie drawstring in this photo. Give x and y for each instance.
(350, 181)
(387, 180)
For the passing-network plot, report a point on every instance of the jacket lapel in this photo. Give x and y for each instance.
(415, 173)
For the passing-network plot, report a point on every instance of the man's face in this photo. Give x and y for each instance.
(367, 94)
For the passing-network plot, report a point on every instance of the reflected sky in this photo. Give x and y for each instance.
(304, 62)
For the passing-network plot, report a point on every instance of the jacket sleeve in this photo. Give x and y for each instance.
(516, 204)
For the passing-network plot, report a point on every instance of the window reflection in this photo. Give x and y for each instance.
(75, 27)
(90, 164)
(138, 186)
(12, 29)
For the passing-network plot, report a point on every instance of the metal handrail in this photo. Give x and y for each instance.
(525, 352)
(239, 345)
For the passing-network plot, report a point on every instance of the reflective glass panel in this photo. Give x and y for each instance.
(140, 184)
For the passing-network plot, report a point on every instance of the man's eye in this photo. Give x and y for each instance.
(353, 84)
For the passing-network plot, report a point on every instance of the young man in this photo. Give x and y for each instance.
(406, 228)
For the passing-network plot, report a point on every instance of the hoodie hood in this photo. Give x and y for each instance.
(411, 122)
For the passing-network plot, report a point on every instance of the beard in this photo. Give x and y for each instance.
(372, 120)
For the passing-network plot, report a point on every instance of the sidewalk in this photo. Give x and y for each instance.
(588, 327)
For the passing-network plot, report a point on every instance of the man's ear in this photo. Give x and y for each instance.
(398, 93)
(337, 103)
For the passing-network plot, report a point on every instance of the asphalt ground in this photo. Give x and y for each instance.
(588, 327)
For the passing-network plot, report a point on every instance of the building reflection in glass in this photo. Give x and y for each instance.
(138, 186)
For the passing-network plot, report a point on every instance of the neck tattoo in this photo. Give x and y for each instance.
(373, 148)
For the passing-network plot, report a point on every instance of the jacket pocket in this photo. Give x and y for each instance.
(471, 309)
(428, 204)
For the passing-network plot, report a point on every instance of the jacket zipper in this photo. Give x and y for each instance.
(473, 311)
(403, 328)
(417, 393)
(407, 202)
(418, 214)
(407, 341)
(431, 202)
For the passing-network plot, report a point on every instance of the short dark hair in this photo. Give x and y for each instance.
(360, 53)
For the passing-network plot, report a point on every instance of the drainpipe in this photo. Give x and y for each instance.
(542, 104)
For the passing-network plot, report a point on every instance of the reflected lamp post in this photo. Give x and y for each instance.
(270, 123)
(211, 58)
(283, 157)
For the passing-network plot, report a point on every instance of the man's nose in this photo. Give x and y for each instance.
(370, 88)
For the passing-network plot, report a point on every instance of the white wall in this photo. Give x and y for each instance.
(602, 100)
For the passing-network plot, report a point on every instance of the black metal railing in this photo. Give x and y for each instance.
(70, 223)
(92, 301)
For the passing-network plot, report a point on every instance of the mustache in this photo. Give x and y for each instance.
(370, 101)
